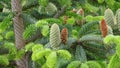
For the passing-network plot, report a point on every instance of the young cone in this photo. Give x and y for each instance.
(118, 18)
(55, 36)
(103, 28)
(81, 12)
(65, 19)
(109, 17)
(73, 10)
(64, 35)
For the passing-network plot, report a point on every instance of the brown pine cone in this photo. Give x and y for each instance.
(64, 35)
(103, 28)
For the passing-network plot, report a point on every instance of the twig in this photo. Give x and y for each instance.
(59, 13)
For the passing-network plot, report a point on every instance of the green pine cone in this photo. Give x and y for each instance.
(51, 8)
(118, 18)
(110, 30)
(109, 17)
(55, 36)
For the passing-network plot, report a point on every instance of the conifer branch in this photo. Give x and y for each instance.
(36, 36)
(59, 13)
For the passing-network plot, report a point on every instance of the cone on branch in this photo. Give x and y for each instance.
(55, 39)
(65, 19)
(80, 12)
(103, 28)
(118, 18)
(64, 35)
(74, 10)
(109, 17)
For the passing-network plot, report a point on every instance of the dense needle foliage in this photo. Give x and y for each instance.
(62, 34)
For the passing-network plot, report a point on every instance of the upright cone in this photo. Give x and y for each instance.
(110, 30)
(65, 19)
(118, 18)
(103, 28)
(109, 17)
(64, 35)
(55, 36)
(80, 12)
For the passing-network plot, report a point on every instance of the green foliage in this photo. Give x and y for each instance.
(118, 49)
(39, 55)
(48, 10)
(61, 62)
(1, 38)
(95, 50)
(93, 64)
(116, 5)
(87, 27)
(112, 39)
(12, 50)
(45, 30)
(42, 53)
(85, 47)
(74, 64)
(4, 60)
(26, 4)
(103, 64)
(53, 20)
(91, 8)
(110, 2)
(41, 23)
(45, 66)
(74, 33)
(64, 54)
(48, 58)
(74, 15)
(29, 31)
(100, 1)
(29, 46)
(80, 54)
(37, 47)
(108, 39)
(51, 60)
(71, 20)
(9, 34)
(64, 2)
(5, 4)
(14, 54)
(20, 54)
(3, 15)
(90, 18)
(84, 65)
(28, 18)
(39, 52)
(98, 18)
(6, 23)
(114, 62)
(87, 38)
(43, 3)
